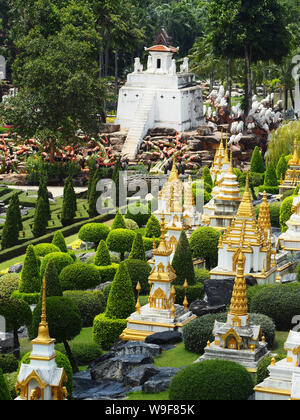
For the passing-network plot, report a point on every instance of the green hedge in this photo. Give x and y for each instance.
(79, 276)
(4, 391)
(60, 259)
(269, 189)
(41, 250)
(148, 243)
(83, 353)
(201, 275)
(193, 293)
(279, 302)
(8, 363)
(212, 380)
(139, 271)
(262, 369)
(107, 331)
(286, 212)
(90, 304)
(30, 298)
(107, 273)
(9, 283)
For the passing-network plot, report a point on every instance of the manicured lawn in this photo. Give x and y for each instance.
(144, 396)
(176, 357)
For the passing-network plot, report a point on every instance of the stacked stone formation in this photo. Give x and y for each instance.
(244, 234)
(290, 240)
(292, 177)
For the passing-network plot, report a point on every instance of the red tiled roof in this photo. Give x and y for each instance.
(162, 48)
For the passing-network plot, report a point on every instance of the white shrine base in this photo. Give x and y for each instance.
(246, 358)
(268, 278)
(151, 321)
(279, 384)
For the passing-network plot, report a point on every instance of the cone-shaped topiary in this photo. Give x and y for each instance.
(18, 212)
(40, 221)
(119, 222)
(53, 287)
(59, 241)
(4, 391)
(43, 192)
(93, 195)
(102, 257)
(69, 203)
(30, 274)
(138, 250)
(10, 233)
(257, 162)
(282, 167)
(153, 229)
(271, 177)
(207, 176)
(121, 302)
(183, 262)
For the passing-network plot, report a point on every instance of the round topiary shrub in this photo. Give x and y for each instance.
(41, 250)
(8, 363)
(120, 240)
(79, 276)
(286, 212)
(107, 331)
(131, 224)
(198, 332)
(60, 259)
(139, 271)
(90, 304)
(139, 213)
(94, 232)
(62, 362)
(9, 283)
(212, 380)
(204, 244)
(279, 302)
(201, 275)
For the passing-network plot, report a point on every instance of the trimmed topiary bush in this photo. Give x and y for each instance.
(139, 271)
(269, 190)
(148, 243)
(90, 304)
(107, 273)
(69, 205)
(271, 177)
(286, 212)
(4, 392)
(139, 213)
(40, 221)
(62, 361)
(212, 380)
(131, 224)
(8, 363)
(257, 161)
(119, 222)
(107, 331)
(59, 241)
(11, 379)
(193, 293)
(83, 353)
(9, 283)
(254, 290)
(60, 259)
(201, 275)
(30, 274)
(53, 287)
(79, 276)
(207, 176)
(138, 250)
(121, 301)
(10, 232)
(29, 298)
(279, 302)
(204, 244)
(183, 262)
(281, 168)
(120, 240)
(102, 257)
(94, 232)
(153, 229)
(41, 250)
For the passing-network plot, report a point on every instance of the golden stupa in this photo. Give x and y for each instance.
(292, 176)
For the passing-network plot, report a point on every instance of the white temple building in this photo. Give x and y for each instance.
(158, 96)
(283, 382)
(290, 240)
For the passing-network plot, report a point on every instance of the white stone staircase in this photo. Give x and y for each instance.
(142, 122)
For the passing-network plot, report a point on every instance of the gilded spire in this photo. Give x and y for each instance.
(226, 161)
(43, 332)
(246, 209)
(264, 219)
(239, 302)
(230, 169)
(174, 176)
(163, 249)
(295, 160)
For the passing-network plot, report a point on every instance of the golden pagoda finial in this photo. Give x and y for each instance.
(138, 305)
(295, 159)
(43, 331)
(185, 301)
(246, 209)
(239, 302)
(226, 150)
(163, 248)
(174, 176)
(230, 169)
